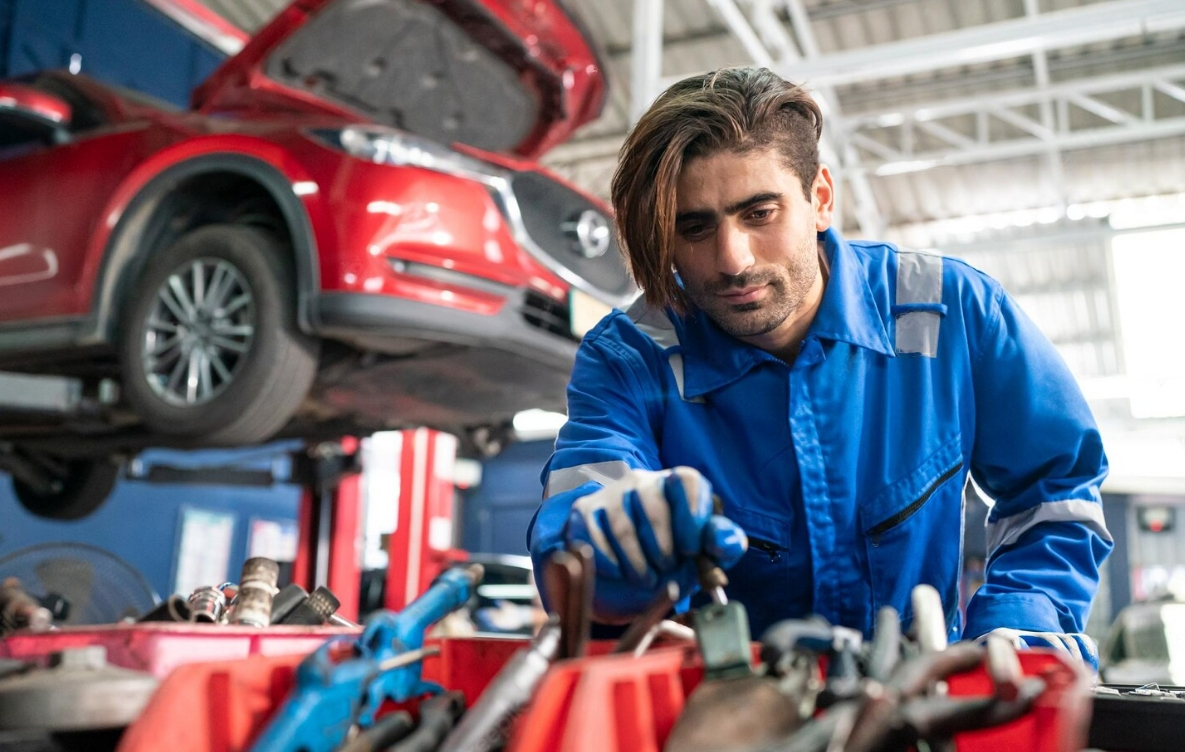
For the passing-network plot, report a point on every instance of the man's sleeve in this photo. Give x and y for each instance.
(614, 405)
(1038, 453)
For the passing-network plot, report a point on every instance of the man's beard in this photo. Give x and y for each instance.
(788, 285)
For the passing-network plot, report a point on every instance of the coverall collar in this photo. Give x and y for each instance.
(848, 313)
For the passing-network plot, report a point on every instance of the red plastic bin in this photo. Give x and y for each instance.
(602, 702)
(160, 647)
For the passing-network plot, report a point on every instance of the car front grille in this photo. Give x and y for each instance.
(547, 314)
(549, 212)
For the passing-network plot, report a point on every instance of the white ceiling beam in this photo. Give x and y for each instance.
(1169, 89)
(946, 134)
(585, 149)
(740, 27)
(887, 153)
(851, 168)
(1025, 124)
(917, 161)
(1103, 110)
(996, 41)
(1053, 158)
(646, 57)
(1018, 97)
(765, 32)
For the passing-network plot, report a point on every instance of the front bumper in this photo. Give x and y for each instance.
(440, 367)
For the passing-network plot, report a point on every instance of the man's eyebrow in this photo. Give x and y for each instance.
(734, 208)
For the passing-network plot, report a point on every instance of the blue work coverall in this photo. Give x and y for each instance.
(847, 468)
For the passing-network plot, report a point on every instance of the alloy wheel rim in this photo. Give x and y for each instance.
(199, 332)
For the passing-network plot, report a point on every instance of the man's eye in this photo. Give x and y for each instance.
(760, 214)
(693, 231)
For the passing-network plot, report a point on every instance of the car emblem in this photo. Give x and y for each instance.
(590, 233)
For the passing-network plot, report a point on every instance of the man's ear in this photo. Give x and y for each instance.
(823, 198)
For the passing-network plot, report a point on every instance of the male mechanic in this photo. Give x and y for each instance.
(833, 394)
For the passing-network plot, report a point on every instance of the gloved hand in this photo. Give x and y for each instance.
(1076, 644)
(646, 529)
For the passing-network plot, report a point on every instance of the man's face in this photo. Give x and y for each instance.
(746, 245)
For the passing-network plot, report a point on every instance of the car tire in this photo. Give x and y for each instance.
(265, 364)
(85, 486)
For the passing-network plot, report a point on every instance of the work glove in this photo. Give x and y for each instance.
(647, 529)
(1076, 644)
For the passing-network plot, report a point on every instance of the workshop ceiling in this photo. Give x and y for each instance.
(1010, 133)
(936, 108)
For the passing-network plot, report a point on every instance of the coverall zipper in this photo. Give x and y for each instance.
(773, 551)
(876, 531)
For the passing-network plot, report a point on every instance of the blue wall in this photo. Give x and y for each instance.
(141, 521)
(124, 42)
(495, 515)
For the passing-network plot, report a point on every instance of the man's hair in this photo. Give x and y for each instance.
(731, 109)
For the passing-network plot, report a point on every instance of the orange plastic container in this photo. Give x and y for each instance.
(602, 702)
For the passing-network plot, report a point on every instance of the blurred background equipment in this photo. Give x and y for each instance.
(89, 585)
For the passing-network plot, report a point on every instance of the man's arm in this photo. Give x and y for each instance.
(1039, 455)
(603, 486)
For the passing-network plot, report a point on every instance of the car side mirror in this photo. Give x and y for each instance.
(26, 102)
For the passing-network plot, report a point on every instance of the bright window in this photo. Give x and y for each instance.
(1150, 293)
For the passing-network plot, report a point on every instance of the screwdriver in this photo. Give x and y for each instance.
(711, 577)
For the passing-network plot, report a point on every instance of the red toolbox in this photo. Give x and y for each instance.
(602, 702)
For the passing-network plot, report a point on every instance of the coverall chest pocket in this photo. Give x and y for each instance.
(773, 578)
(913, 533)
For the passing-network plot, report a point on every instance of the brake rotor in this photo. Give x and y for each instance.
(78, 692)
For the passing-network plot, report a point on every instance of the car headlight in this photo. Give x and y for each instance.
(392, 147)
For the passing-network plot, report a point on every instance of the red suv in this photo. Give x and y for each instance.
(344, 233)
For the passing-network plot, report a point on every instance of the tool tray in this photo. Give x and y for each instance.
(221, 685)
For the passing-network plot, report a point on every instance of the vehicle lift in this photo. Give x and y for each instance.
(330, 517)
(329, 550)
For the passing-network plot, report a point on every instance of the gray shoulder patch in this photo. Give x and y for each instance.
(918, 310)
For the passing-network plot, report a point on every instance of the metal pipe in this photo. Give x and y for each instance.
(486, 726)
(257, 586)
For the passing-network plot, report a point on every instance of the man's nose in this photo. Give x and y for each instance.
(734, 253)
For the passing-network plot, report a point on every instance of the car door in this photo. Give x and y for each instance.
(30, 262)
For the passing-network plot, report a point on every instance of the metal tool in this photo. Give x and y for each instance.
(79, 691)
(733, 707)
(207, 604)
(722, 628)
(345, 681)
(289, 597)
(19, 610)
(568, 579)
(386, 731)
(314, 610)
(929, 618)
(885, 653)
(438, 716)
(257, 586)
(173, 608)
(657, 610)
(1003, 666)
(712, 579)
(487, 724)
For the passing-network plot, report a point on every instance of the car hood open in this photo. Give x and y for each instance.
(508, 76)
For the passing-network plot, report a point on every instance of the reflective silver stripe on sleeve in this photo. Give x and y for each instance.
(655, 324)
(1006, 531)
(919, 280)
(568, 478)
